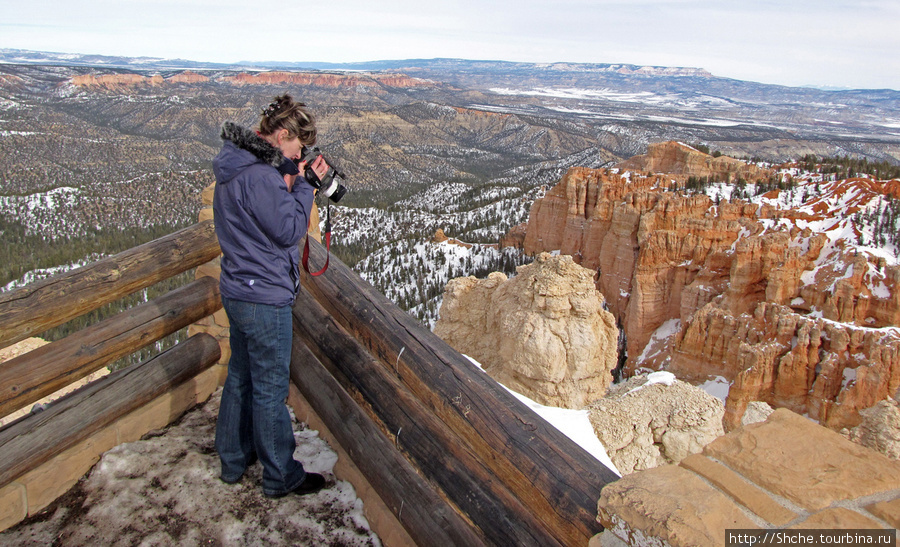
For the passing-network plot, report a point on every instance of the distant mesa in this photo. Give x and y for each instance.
(320, 79)
(121, 79)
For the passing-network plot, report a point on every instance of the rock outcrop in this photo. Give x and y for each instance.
(880, 428)
(782, 301)
(112, 81)
(650, 421)
(757, 411)
(543, 333)
(319, 79)
(677, 158)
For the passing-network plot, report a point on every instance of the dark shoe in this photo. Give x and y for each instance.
(312, 483)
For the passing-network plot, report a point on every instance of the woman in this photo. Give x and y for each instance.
(261, 210)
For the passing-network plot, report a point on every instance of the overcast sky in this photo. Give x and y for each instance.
(792, 42)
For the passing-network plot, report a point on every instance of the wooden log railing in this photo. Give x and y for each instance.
(507, 472)
(455, 457)
(40, 372)
(35, 439)
(28, 443)
(45, 304)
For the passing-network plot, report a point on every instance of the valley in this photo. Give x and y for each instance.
(94, 148)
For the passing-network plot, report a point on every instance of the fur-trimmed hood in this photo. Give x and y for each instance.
(248, 140)
(244, 150)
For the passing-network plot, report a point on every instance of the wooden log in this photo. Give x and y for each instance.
(557, 479)
(38, 373)
(31, 441)
(436, 450)
(424, 515)
(45, 304)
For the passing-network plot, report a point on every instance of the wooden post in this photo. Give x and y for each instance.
(554, 477)
(31, 441)
(49, 303)
(36, 374)
(426, 517)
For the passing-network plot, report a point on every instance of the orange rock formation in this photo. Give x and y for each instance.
(778, 301)
(321, 79)
(681, 159)
(111, 81)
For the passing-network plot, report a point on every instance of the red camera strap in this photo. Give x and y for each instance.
(327, 256)
(305, 258)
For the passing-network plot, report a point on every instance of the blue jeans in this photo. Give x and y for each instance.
(253, 418)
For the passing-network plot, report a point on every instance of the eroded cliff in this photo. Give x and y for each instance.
(786, 294)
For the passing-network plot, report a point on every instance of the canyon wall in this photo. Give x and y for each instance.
(781, 301)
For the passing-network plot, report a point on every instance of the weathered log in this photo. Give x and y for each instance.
(424, 515)
(436, 450)
(553, 476)
(38, 373)
(31, 441)
(49, 303)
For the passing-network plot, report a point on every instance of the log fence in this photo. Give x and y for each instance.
(30, 447)
(454, 456)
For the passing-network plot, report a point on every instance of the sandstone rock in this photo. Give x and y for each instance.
(643, 423)
(828, 466)
(757, 411)
(21, 348)
(681, 159)
(671, 506)
(113, 81)
(824, 369)
(786, 315)
(880, 429)
(543, 333)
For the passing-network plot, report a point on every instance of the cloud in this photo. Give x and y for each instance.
(803, 41)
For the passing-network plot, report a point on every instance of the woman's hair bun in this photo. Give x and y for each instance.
(284, 113)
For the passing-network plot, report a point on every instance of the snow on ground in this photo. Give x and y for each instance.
(718, 387)
(164, 490)
(658, 340)
(574, 424)
(659, 377)
(44, 273)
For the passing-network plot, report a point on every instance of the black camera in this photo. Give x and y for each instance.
(328, 186)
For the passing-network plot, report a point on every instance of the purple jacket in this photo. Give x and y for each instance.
(258, 222)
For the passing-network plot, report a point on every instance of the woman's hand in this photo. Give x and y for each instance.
(319, 166)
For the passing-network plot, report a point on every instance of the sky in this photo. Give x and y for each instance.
(824, 43)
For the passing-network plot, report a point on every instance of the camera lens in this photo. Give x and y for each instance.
(335, 191)
(338, 194)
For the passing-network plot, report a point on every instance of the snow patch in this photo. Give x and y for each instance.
(574, 424)
(718, 387)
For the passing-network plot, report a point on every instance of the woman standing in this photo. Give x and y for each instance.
(261, 209)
